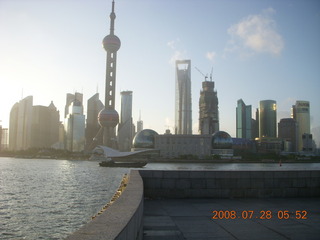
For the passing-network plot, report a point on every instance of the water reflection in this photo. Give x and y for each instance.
(48, 199)
(234, 166)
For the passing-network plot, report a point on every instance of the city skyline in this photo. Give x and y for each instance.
(258, 51)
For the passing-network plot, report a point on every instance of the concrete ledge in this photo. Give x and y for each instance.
(230, 184)
(122, 220)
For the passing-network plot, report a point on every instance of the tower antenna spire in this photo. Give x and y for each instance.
(112, 18)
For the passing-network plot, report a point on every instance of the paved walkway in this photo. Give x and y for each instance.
(191, 219)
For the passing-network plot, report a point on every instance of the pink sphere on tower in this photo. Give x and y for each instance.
(108, 118)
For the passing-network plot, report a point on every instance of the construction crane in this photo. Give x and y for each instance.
(211, 74)
(205, 76)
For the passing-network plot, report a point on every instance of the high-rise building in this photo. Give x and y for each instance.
(268, 119)
(109, 117)
(301, 113)
(75, 128)
(139, 124)
(45, 126)
(183, 111)
(307, 142)
(69, 99)
(20, 124)
(4, 139)
(243, 120)
(208, 109)
(125, 125)
(94, 106)
(288, 131)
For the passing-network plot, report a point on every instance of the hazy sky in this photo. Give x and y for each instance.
(258, 50)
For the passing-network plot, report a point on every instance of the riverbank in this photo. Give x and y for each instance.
(165, 160)
(241, 158)
(235, 161)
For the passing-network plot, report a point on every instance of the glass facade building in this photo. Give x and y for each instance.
(125, 127)
(243, 120)
(75, 128)
(69, 99)
(288, 131)
(268, 119)
(183, 111)
(144, 139)
(301, 113)
(94, 106)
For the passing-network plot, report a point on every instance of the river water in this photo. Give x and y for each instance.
(49, 199)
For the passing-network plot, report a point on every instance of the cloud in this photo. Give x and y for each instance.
(256, 33)
(211, 56)
(178, 54)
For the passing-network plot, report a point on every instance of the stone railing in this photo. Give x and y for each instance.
(230, 184)
(122, 220)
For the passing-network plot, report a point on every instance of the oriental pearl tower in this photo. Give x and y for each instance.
(108, 117)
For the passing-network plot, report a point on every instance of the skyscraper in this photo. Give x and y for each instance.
(4, 139)
(20, 124)
(183, 112)
(243, 120)
(208, 109)
(301, 113)
(45, 126)
(139, 123)
(69, 99)
(255, 125)
(288, 131)
(125, 125)
(268, 119)
(109, 117)
(94, 106)
(75, 127)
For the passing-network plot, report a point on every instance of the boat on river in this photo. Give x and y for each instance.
(111, 163)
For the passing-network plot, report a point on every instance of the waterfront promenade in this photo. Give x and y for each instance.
(191, 219)
(211, 204)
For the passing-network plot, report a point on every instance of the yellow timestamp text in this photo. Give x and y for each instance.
(263, 214)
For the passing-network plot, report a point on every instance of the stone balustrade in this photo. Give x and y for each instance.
(230, 184)
(123, 219)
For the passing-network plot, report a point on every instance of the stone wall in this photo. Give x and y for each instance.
(122, 220)
(230, 184)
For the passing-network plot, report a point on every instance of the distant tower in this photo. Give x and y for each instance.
(109, 117)
(74, 125)
(139, 123)
(69, 99)
(183, 112)
(301, 113)
(94, 106)
(125, 125)
(243, 120)
(20, 124)
(268, 119)
(45, 126)
(287, 130)
(208, 109)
